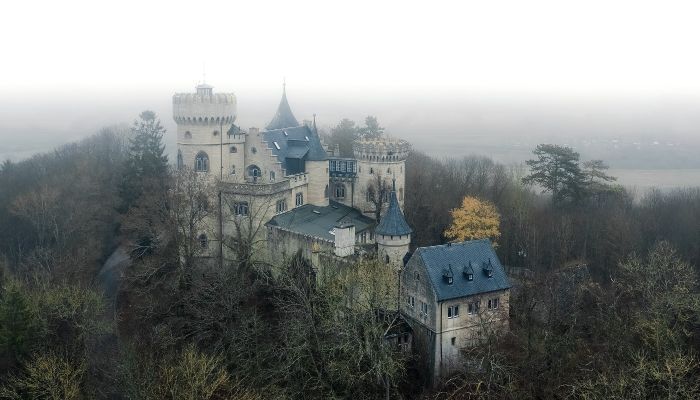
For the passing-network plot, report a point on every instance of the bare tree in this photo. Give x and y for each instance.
(377, 194)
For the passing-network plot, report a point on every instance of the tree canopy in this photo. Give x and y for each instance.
(474, 219)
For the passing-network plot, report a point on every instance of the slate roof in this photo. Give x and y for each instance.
(458, 256)
(283, 117)
(393, 222)
(316, 221)
(300, 142)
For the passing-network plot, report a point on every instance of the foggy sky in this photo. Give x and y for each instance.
(430, 71)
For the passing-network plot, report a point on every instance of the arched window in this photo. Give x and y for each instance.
(233, 170)
(215, 133)
(272, 176)
(253, 150)
(201, 162)
(339, 190)
(371, 171)
(254, 172)
(299, 199)
(386, 258)
(388, 170)
(188, 135)
(180, 162)
(233, 149)
(203, 241)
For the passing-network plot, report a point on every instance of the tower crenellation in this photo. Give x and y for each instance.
(204, 107)
(381, 150)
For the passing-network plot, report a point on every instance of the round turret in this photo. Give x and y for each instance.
(204, 107)
(381, 150)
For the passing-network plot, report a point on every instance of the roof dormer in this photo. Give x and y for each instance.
(448, 275)
(468, 272)
(488, 268)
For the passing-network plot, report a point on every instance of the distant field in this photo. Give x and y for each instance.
(665, 179)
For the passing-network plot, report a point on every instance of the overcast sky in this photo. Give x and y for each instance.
(437, 73)
(575, 47)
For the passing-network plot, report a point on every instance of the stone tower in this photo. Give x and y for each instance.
(207, 140)
(393, 234)
(383, 159)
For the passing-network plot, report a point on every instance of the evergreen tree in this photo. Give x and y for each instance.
(557, 170)
(18, 325)
(371, 130)
(146, 165)
(343, 135)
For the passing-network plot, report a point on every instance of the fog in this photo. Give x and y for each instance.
(616, 81)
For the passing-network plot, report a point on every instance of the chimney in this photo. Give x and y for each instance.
(344, 239)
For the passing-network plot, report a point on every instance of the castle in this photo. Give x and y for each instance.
(282, 188)
(291, 191)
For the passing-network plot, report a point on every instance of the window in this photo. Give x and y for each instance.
(240, 208)
(188, 135)
(232, 149)
(253, 150)
(371, 171)
(203, 241)
(473, 308)
(201, 162)
(339, 191)
(452, 312)
(453, 340)
(233, 170)
(272, 176)
(180, 162)
(281, 206)
(325, 192)
(400, 194)
(363, 237)
(299, 199)
(354, 166)
(411, 301)
(215, 133)
(371, 236)
(493, 304)
(424, 310)
(254, 172)
(388, 171)
(343, 166)
(470, 276)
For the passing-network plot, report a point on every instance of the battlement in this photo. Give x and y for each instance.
(381, 150)
(204, 107)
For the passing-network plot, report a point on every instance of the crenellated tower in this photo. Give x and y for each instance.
(207, 138)
(380, 159)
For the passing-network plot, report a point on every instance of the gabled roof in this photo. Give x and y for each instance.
(458, 256)
(393, 222)
(283, 117)
(300, 142)
(319, 222)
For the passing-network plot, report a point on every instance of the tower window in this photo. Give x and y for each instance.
(299, 199)
(233, 170)
(233, 149)
(240, 208)
(188, 135)
(371, 171)
(201, 162)
(272, 176)
(253, 150)
(281, 206)
(215, 133)
(180, 162)
(254, 173)
(203, 241)
(325, 192)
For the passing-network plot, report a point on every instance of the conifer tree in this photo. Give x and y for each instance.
(18, 324)
(146, 166)
(557, 170)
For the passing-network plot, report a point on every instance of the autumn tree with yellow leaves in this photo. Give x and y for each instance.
(475, 219)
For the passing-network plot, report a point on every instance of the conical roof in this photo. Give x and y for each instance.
(393, 222)
(284, 117)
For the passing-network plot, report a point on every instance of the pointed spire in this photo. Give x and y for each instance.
(393, 221)
(283, 117)
(315, 129)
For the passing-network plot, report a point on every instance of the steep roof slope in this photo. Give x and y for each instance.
(283, 117)
(477, 255)
(393, 223)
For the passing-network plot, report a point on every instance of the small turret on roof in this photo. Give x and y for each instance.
(393, 223)
(283, 117)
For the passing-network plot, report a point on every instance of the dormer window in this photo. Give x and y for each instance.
(468, 272)
(447, 275)
(488, 268)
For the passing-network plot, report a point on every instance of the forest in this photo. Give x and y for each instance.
(606, 301)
